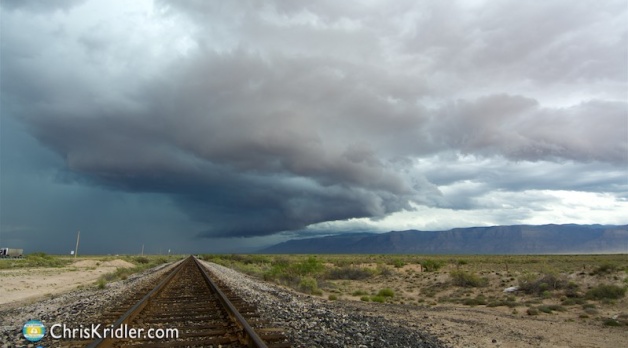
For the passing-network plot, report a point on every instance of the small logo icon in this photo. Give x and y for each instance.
(34, 330)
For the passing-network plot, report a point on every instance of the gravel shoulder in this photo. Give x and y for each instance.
(355, 323)
(309, 321)
(79, 306)
(313, 322)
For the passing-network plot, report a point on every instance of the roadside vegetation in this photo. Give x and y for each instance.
(43, 260)
(467, 279)
(580, 286)
(37, 259)
(141, 263)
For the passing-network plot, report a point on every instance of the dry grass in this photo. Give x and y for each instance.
(577, 287)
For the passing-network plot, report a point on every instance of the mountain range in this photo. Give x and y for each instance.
(517, 239)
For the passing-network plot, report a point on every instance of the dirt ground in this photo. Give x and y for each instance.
(23, 285)
(429, 301)
(422, 300)
(487, 327)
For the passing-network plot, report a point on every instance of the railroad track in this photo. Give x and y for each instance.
(204, 313)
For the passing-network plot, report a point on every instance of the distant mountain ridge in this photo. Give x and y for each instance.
(517, 239)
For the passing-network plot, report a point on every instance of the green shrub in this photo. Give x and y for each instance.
(379, 299)
(605, 268)
(531, 284)
(310, 266)
(532, 311)
(160, 260)
(480, 300)
(572, 301)
(383, 270)
(398, 263)
(281, 261)
(276, 272)
(611, 322)
(249, 259)
(341, 262)
(40, 259)
(332, 297)
(387, 292)
(571, 290)
(141, 260)
(470, 302)
(308, 285)
(557, 308)
(605, 291)
(299, 275)
(101, 284)
(467, 279)
(505, 303)
(431, 265)
(365, 298)
(359, 293)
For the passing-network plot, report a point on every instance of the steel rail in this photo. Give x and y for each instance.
(105, 342)
(250, 338)
(247, 335)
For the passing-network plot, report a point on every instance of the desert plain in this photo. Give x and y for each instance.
(464, 300)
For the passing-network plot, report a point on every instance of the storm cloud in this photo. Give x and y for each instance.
(260, 118)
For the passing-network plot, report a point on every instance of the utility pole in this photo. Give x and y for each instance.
(77, 244)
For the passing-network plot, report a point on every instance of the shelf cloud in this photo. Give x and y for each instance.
(257, 118)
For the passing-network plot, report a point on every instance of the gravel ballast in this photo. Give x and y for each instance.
(75, 308)
(313, 322)
(308, 321)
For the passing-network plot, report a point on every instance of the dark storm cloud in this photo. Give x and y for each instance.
(257, 118)
(248, 168)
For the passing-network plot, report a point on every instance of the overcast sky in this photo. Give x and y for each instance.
(221, 125)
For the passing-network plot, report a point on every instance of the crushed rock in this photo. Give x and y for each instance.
(313, 322)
